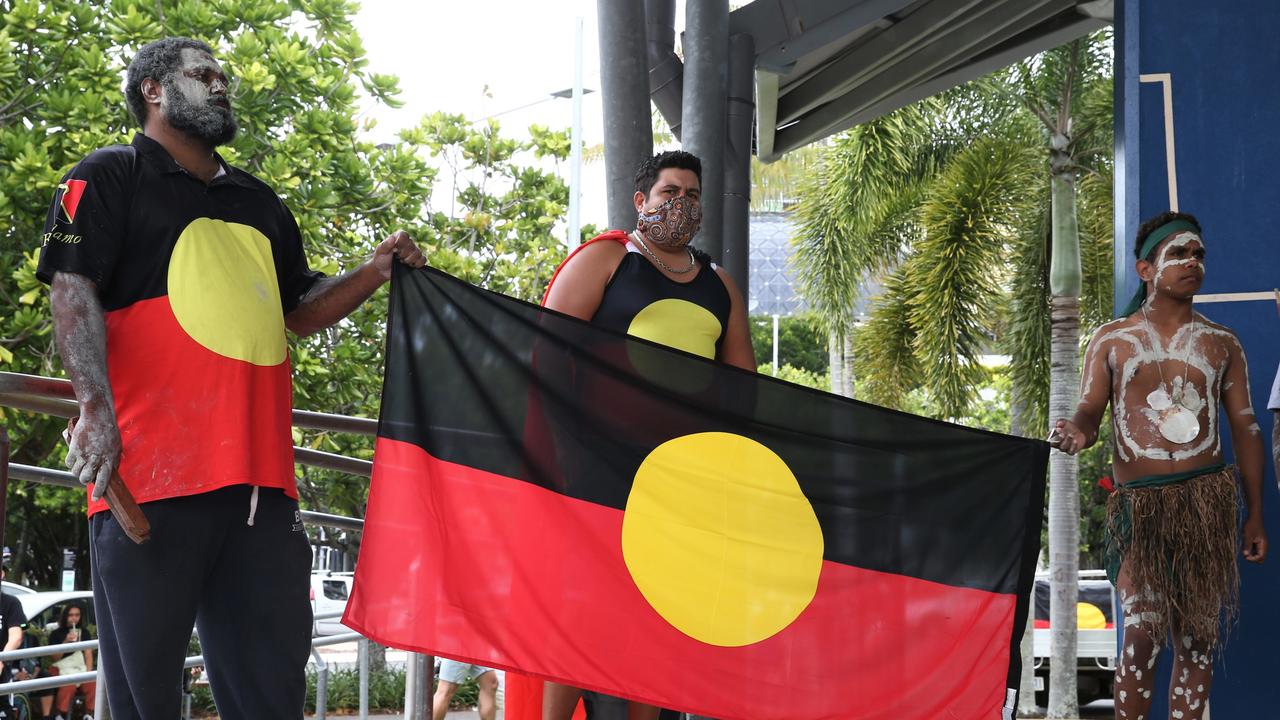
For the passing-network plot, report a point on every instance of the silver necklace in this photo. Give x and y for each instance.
(1176, 421)
(692, 262)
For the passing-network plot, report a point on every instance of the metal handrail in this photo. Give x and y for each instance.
(42, 650)
(56, 397)
(62, 478)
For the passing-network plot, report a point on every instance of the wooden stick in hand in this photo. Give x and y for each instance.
(121, 503)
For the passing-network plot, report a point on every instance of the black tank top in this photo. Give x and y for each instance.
(641, 301)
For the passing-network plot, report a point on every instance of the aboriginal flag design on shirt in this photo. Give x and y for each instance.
(593, 508)
(195, 281)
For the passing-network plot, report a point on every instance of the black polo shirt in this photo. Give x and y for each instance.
(195, 280)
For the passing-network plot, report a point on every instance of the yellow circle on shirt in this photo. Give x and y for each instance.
(223, 291)
(720, 540)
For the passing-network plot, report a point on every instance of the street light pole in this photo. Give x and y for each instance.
(575, 154)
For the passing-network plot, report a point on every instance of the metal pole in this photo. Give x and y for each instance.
(575, 153)
(322, 684)
(666, 72)
(417, 686)
(706, 77)
(624, 82)
(100, 707)
(740, 110)
(775, 344)
(410, 682)
(363, 659)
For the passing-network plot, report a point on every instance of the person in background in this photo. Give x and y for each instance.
(452, 675)
(71, 629)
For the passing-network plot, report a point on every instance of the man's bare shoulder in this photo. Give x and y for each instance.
(1217, 331)
(1116, 331)
(599, 254)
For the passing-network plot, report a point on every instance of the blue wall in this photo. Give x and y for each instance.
(1225, 61)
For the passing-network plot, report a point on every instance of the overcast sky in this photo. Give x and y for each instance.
(447, 53)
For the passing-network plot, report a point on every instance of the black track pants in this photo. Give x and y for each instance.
(244, 587)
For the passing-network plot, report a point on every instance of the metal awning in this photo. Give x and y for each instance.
(823, 66)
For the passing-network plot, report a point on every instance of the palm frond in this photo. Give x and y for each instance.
(967, 216)
(887, 366)
(1027, 341)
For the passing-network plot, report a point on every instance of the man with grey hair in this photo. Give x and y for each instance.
(174, 277)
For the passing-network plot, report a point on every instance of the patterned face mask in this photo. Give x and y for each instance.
(672, 224)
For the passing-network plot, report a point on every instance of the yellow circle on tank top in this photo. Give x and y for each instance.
(223, 291)
(720, 540)
(678, 324)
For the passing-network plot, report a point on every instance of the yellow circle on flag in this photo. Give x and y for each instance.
(720, 540)
(1089, 616)
(223, 291)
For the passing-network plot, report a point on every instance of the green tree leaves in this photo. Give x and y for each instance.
(483, 205)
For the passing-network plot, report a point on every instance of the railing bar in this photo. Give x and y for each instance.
(330, 461)
(55, 396)
(37, 404)
(31, 473)
(41, 651)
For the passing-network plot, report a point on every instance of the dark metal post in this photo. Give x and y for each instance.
(666, 73)
(624, 86)
(740, 111)
(706, 77)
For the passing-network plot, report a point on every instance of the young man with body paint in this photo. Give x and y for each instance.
(1172, 525)
(174, 276)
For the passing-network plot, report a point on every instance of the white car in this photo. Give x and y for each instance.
(44, 608)
(16, 589)
(329, 593)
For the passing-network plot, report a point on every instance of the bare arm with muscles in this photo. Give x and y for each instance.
(79, 327)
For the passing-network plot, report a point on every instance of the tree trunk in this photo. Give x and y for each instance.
(846, 366)
(1027, 684)
(835, 361)
(1064, 512)
(377, 658)
(1064, 381)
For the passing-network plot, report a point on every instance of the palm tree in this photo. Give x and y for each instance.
(967, 205)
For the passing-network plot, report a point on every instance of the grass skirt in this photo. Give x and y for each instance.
(1178, 544)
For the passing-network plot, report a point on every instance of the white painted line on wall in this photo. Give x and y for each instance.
(1166, 80)
(1234, 297)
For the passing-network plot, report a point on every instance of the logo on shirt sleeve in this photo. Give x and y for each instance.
(72, 191)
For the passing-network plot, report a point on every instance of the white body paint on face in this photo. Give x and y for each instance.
(1164, 263)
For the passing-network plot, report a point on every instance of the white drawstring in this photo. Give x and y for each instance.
(253, 504)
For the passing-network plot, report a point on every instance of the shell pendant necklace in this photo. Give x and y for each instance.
(1171, 409)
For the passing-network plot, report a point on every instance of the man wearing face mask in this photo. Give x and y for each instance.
(174, 277)
(618, 279)
(649, 282)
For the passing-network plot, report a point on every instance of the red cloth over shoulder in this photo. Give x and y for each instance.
(618, 236)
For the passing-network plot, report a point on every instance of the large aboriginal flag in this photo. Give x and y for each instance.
(595, 509)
